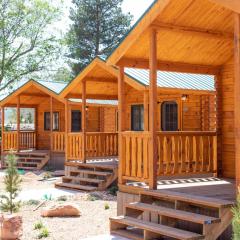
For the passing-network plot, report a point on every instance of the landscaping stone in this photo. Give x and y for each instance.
(61, 210)
(11, 227)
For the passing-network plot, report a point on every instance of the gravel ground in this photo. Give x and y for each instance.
(94, 219)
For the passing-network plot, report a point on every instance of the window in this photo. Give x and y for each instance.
(169, 116)
(76, 121)
(137, 115)
(55, 121)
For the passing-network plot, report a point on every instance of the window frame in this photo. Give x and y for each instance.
(163, 114)
(140, 126)
(48, 121)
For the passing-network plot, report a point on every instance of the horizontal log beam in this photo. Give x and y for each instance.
(192, 31)
(171, 66)
(230, 4)
(101, 80)
(93, 96)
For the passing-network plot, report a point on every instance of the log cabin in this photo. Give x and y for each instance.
(27, 114)
(164, 191)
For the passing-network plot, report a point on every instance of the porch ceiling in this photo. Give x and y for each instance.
(189, 31)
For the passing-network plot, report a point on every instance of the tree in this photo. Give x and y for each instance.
(98, 26)
(27, 44)
(12, 182)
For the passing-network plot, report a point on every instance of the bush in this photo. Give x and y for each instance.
(236, 219)
(38, 225)
(106, 206)
(33, 202)
(113, 190)
(12, 182)
(44, 233)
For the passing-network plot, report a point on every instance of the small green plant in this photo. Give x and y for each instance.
(236, 219)
(38, 225)
(12, 182)
(47, 175)
(44, 233)
(33, 202)
(91, 198)
(106, 206)
(62, 199)
(113, 190)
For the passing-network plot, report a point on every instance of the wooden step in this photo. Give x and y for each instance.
(90, 180)
(28, 163)
(26, 168)
(127, 234)
(162, 230)
(32, 158)
(192, 199)
(173, 213)
(76, 186)
(94, 165)
(98, 173)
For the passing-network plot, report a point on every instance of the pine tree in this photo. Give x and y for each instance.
(236, 219)
(12, 182)
(98, 26)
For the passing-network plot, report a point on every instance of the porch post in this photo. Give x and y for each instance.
(2, 147)
(66, 129)
(146, 110)
(84, 120)
(153, 110)
(121, 122)
(18, 123)
(237, 94)
(51, 124)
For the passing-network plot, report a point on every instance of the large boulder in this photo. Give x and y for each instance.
(11, 227)
(61, 210)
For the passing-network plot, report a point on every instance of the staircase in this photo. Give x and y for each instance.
(169, 215)
(32, 160)
(89, 177)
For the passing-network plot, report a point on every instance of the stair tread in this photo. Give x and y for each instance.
(92, 172)
(178, 214)
(158, 228)
(93, 165)
(127, 234)
(83, 179)
(30, 163)
(76, 186)
(193, 199)
(30, 158)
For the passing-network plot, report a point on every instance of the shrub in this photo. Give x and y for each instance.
(33, 202)
(62, 198)
(236, 219)
(113, 190)
(91, 198)
(38, 225)
(44, 233)
(12, 182)
(106, 206)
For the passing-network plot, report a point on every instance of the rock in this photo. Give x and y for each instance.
(61, 210)
(11, 227)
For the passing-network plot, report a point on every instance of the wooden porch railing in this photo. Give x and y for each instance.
(178, 153)
(74, 151)
(58, 141)
(26, 140)
(101, 144)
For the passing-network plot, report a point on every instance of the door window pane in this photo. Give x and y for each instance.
(76, 121)
(169, 116)
(137, 118)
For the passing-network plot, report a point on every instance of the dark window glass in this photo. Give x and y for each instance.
(137, 118)
(56, 121)
(76, 121)
(169, 116)
(47, 121)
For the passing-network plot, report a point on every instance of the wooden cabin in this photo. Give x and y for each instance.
(164, 191)
(27, 114)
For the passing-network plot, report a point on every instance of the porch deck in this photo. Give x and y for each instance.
(213, 187)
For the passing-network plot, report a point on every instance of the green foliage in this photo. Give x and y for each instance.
(27, 46)
(44, 233)
(91, 198)
(113, 190)
(106, 206)
(47, 175)
(236, 220)
(32, 202)
(12, 182)
(62, 199)
(38, 225)
(98, 26)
